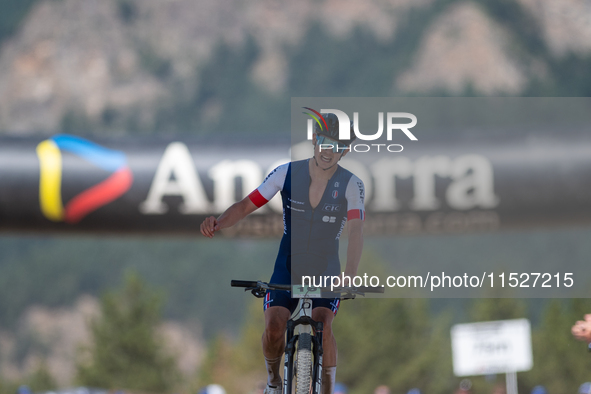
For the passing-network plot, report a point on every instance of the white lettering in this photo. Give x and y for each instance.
(375, 136)
(176, 162)
(224, 176)
(424, 173)
(344, 123)
(404, 126)
(395, 151)
(385, 172)
(361, 145)
(472, 184)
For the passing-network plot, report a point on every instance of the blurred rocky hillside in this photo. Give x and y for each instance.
(53, 337)
(179, 65)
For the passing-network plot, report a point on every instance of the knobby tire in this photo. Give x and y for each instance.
(303, 366)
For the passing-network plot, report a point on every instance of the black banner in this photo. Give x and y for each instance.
(67, 183)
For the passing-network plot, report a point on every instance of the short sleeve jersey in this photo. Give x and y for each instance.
(311, 233)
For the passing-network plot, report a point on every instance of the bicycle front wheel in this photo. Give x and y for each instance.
(303, 373)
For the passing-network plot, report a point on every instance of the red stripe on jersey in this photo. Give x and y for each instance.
(257, 198)
(335, 307)
(356, 214)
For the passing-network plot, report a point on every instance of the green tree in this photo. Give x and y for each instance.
(560, 362)
(239, 365)
(127, 351)
(488, 309)
(41, 379)
(7, 387)
(396, 342)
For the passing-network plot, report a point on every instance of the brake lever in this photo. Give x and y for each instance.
(349, 296)
(256, 291)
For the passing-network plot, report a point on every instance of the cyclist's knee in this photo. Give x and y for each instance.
(275, 323)
(326, 316)
(274, 330)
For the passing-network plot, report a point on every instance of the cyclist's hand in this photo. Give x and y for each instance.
(209, 226)
(582, 329)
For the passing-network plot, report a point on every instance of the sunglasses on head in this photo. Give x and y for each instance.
(326, 143)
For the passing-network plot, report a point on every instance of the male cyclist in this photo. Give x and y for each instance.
(319, 196)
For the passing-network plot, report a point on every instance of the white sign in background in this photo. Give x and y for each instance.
(502, 346)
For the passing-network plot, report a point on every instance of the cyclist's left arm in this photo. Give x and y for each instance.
(354, 247)
(355, 194)
(582, 329)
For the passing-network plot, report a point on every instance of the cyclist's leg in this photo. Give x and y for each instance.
(276, 318)
(325, 311)
(278, 306)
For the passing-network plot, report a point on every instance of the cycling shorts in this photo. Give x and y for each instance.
(283, 298)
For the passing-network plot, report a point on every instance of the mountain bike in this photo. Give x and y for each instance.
(303, 351)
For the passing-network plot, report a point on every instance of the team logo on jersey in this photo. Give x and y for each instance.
(335, 193)
(361, 191)
(331, 207)
(336, 184)
(329, 219)
(271, 173)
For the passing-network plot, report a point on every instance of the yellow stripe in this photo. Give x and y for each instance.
(50, 180)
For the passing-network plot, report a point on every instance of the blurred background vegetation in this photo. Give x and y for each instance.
(146, 67)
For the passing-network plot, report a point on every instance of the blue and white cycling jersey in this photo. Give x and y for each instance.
(311, 234)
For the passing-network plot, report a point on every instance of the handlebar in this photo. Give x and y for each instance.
(259, 284)
(243, 283)
(258, 288)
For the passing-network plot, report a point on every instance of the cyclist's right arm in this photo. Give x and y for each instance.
(230, 217)
(238, 211)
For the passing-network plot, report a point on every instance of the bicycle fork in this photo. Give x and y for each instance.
(305, 324)
(317, 375)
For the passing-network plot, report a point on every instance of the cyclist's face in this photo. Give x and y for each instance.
(324, 155)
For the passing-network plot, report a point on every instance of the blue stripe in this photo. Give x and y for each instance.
(107, 159)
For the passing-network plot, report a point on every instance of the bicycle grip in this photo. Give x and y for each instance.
(244, 283)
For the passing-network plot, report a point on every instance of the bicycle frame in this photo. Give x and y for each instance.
(295, 327)
(301, 323)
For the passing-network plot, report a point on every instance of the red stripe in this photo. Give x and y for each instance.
(336, 309)
(321, 117)
(266, 303)
(257, 198)
(95, 197)
(356, 214)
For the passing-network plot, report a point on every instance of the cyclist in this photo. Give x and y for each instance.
(319, 196)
